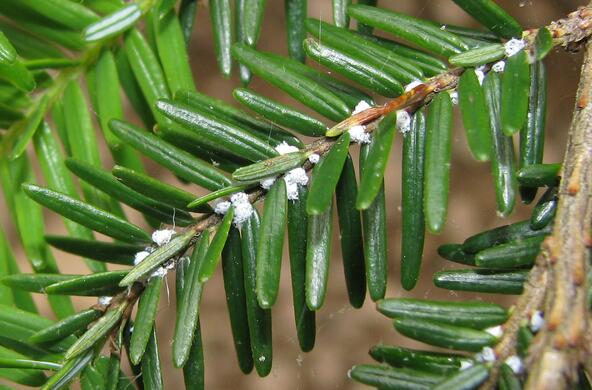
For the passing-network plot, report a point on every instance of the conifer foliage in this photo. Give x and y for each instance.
(404, 77)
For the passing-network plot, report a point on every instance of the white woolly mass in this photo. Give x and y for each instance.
(284, 148)
(161, 237)
(243, 209)
(499, 66)
(293, 179)
(486, 355)
(242, 212)
(138, 257)
(358, 134)
(454, 97)
(513, 46)
(403, 121)
(296, 176)
(239, 197)
(361, 106)
(292, 191)
(464, 364)
(536, 321)
(241, 205)
(314, 158)
(170, 265)
(412, 85)
(105, 300)
(160, 272)
(222, 207)
(480, 72)
(496, 331)
(267, 183)
(515, 363)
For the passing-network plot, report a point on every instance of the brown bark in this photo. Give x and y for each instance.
(562, 344)
(558, 283)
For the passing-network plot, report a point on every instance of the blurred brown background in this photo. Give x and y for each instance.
(344, 334)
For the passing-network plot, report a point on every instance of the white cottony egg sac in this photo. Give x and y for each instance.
(536, 321)
(138, 257)
(486, 355)
(358, 134)
(513, 46)
(499, 66)
(222, 207)
(159, 273)
(464, 364)
(361, 106)
(161, 237)
(496, 331)
(242, 208)
(454, 97)
(515, 363)
(241, 205)
(242, 212)
(314, 158)
(239, 197)
(480, 72)
(267, 183)
(403, 121)
(284, 148)
(294, 178)
(412, 85)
